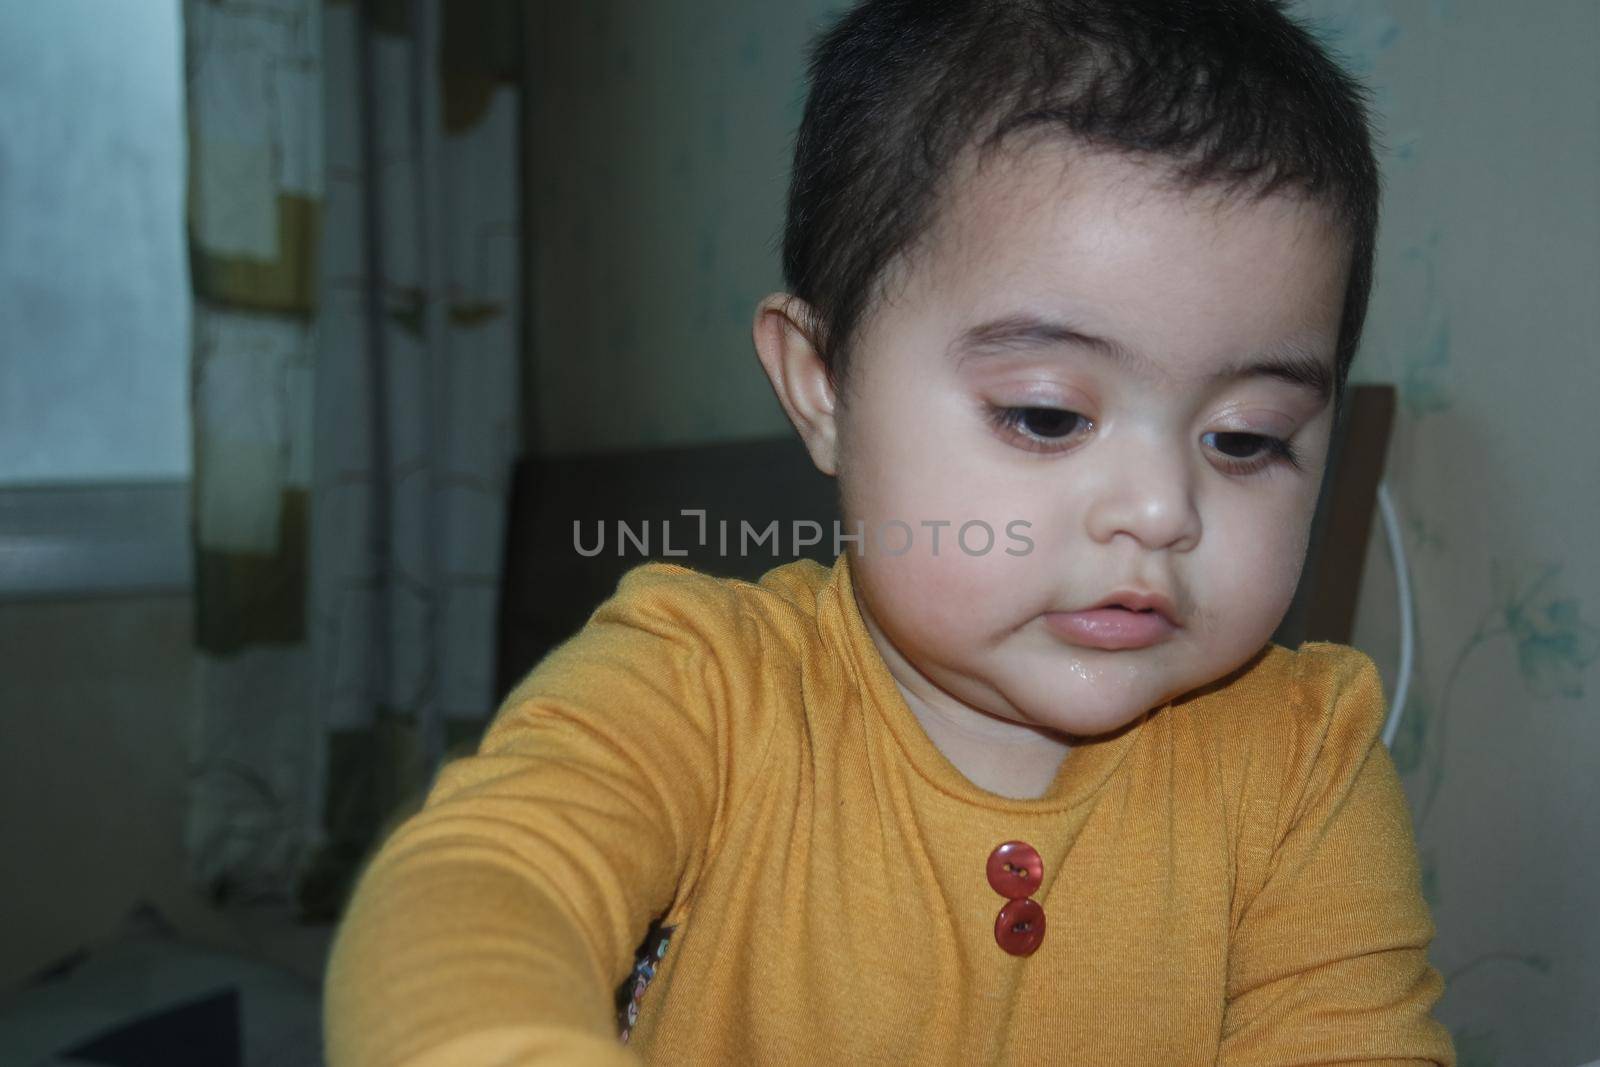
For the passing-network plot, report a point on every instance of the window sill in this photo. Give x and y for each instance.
(95, 540)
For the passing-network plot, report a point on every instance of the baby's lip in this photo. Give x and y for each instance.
(1111, 628)
(1138, 600)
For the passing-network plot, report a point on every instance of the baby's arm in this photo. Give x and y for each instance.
(1329, 961)
(494, 926)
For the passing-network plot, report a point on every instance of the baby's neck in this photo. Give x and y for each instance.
(1008, 759)
(1021, 768)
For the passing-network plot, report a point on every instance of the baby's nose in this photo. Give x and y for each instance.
(1148, 496)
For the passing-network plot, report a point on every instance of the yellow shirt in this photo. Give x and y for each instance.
(1231, 879)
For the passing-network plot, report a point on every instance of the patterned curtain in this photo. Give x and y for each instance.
(354, 242)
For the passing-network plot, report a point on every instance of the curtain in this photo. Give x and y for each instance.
(354, 247)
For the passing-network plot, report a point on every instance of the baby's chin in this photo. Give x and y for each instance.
(1085, 708)
(1086, 723)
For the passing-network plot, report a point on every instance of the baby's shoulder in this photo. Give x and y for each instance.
(1331, 687)
(1292, 710)
(673, 649)
(1293, 688)
(784, 594)
(659, 607)
(1339, 703)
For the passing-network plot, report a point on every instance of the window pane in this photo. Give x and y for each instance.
(94, 290)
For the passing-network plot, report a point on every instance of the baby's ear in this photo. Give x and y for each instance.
(785, 335)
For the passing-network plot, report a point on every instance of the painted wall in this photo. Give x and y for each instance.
(100, 693)
(1485, 315)
(658, 181)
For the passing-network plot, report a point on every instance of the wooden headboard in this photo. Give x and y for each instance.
(1324, 607)
(550, 588)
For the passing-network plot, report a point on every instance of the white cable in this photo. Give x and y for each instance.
(1402, 578)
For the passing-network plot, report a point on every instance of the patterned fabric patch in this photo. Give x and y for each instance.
(648, 958)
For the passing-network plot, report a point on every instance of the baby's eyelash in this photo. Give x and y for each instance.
(1012, 420)
(1273, 448)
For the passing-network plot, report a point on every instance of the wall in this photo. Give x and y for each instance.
(658, 180)
(99, 697)
(99, 694)
(1485, 316)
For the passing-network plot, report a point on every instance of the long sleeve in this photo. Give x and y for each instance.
(1329, 961)
(494, 925)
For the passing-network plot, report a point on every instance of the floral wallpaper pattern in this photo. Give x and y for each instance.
(1487, 326)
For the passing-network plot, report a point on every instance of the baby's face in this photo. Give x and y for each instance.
(1133, 474)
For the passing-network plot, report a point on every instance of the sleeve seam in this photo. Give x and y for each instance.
(735, 802)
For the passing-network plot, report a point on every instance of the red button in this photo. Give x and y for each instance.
(1015, 869)
(1020, 927)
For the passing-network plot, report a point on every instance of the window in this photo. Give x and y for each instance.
(94, 288)
(94, 297)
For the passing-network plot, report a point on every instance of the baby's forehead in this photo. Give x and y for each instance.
(1043, 176)
(1053, 198)
(1044, 252)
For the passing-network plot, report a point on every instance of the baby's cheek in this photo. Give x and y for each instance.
(1261, 578)
(920, 583)
(1288, 551)
(972, 591)
(918, 593)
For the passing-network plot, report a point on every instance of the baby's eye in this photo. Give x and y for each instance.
(1251, 452)
(1037, 425)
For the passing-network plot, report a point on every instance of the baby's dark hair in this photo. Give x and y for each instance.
(1231, 94)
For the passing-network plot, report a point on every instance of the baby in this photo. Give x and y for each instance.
(1074, 286)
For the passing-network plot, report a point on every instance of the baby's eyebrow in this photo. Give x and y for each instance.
(1286, 361)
